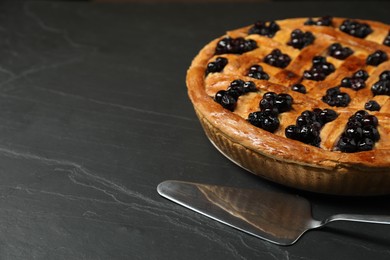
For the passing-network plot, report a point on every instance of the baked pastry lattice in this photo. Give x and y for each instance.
(304, 102)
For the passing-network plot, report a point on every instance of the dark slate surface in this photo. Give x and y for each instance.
(94, 114)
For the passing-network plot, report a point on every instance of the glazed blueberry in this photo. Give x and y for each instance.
(264, 120)
(228, 98)
(354, 132)
(370, 120)
(262, 28)
(334, 97)
(319, 70)
(386, 41)
(308, 126)
(361, 74)
(357, 81)
(217, 65)
(385, 75)
(382, 87)
(365, 144)
(372, 105)
(270, 95)
(355, 28)
(347, 145)
(360, 114)
(346, 82)
(283, 102)
(256, 71)
(360, 134)
(300, 39)
(236, 88)
(235, 45)
(239, 87)
(322, 21)
(299, 88)
(277, 59)
(267, 103)
(371, 132)
(271, 105)
(376, 58)
(249, 86)
(227, 101)
(326, 116)
(339, 52)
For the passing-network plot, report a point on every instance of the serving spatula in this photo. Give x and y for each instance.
(276, 216)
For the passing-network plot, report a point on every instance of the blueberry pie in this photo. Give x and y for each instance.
(303, 102)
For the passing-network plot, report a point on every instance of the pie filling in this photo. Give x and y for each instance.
(263, 57)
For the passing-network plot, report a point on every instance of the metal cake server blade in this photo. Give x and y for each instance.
(274, 216)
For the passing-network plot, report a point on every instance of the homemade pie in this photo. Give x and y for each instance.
(302, 102)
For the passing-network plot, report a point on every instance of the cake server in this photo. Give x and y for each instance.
(275, 216)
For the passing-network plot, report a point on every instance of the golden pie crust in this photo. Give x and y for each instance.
(274, 156)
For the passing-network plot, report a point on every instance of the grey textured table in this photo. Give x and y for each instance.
(94, 114)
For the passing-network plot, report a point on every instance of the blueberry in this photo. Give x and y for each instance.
(216, 66)
(319, 70)
(346, 82)
(361, 74)
(317, 76)
(372, 105)
(300, 39)
(360, 134)
(347, 145)
(376, 58)
(322, 21)
(299, 88)
(283, 102)
(360, 114)
(357, 83)
(309, 114)
(256, 72)
(237, 83)
(317, 60)
(277, 59)
(262, 28)
(334, 97)
(273, 111)
(308, 126)
(226, 100)
(371, 132)
(236, 88)
(386, 41)
(366, 144)
(381, 87)
(270, 95)
(336, 50)
(370, 120)
(264, 121)
(327, 115)
(249, 86)
(267, 103)
(354, 122)
(292, 132)
(385, 75)
(235, 45)
(354, 132)
(355, 28)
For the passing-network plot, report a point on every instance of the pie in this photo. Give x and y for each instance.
(303, 102)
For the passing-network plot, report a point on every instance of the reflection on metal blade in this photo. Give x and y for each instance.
(269, 215)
